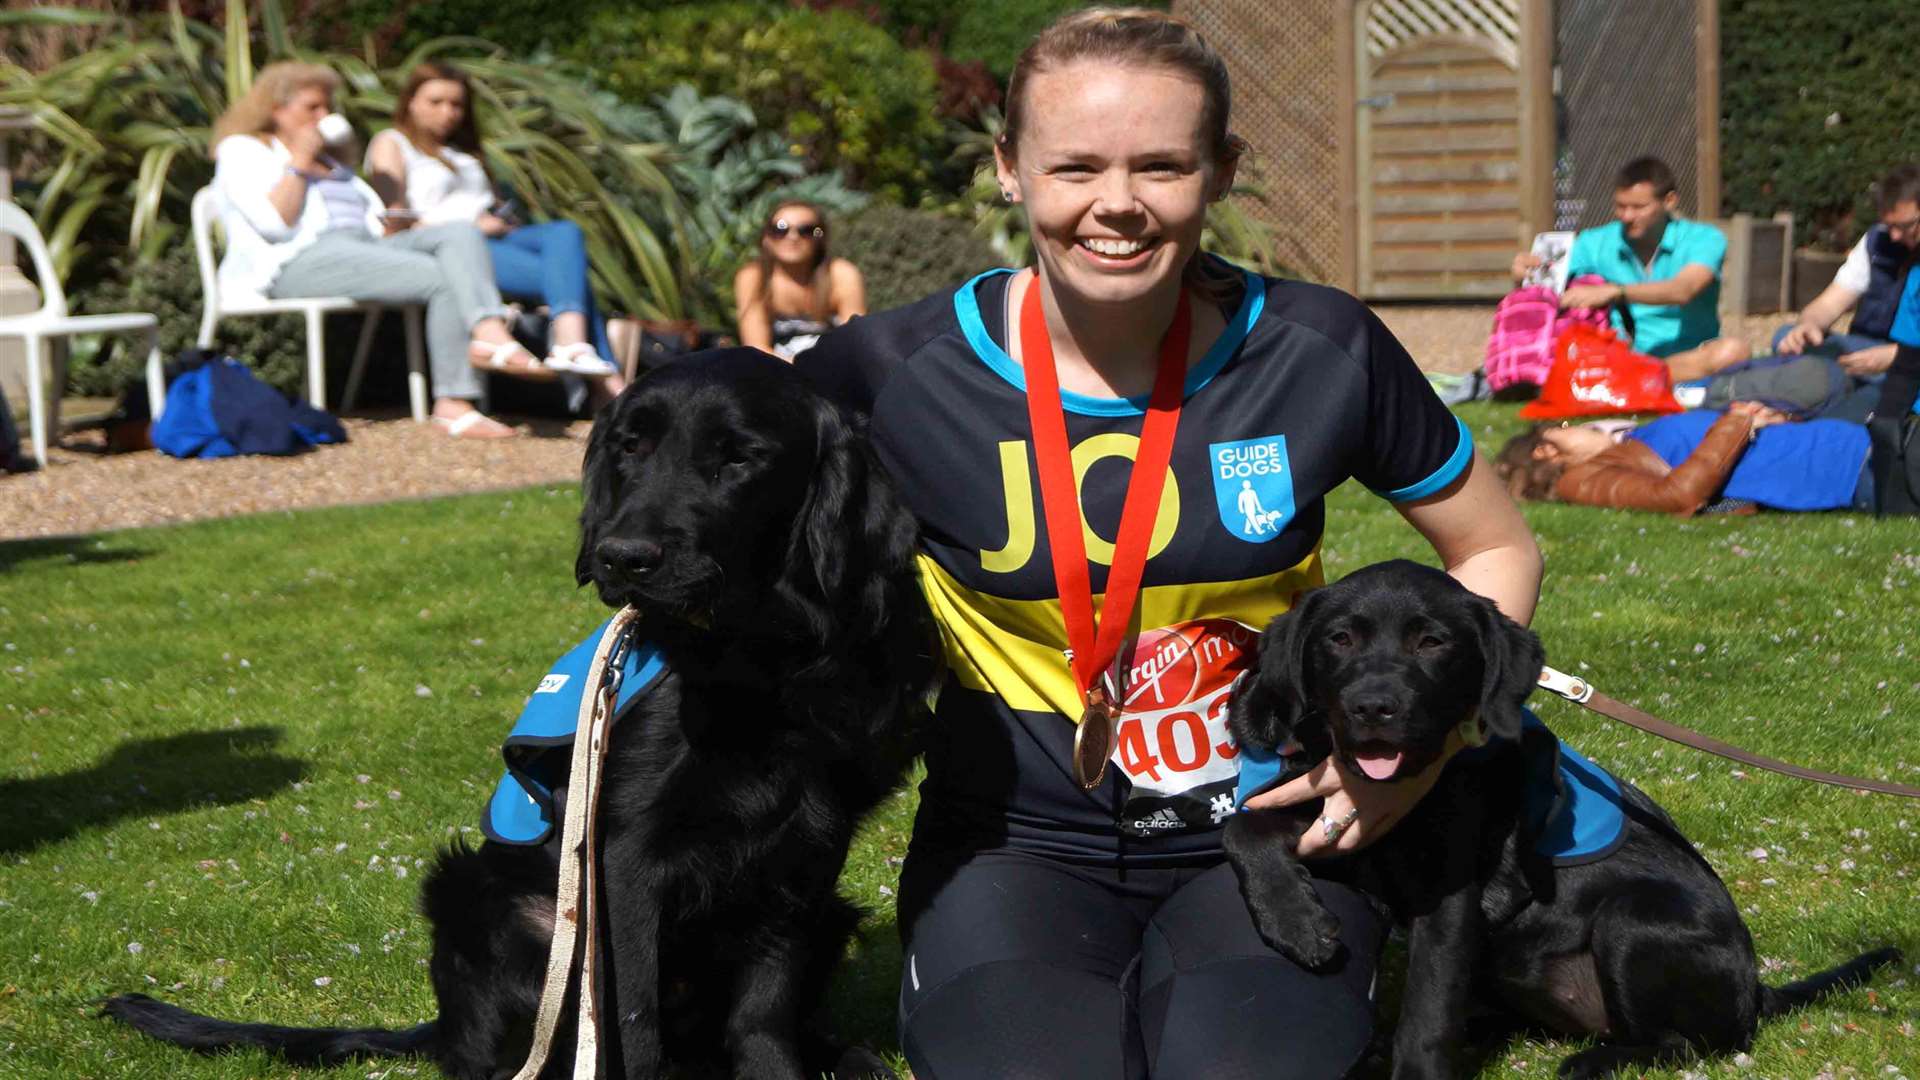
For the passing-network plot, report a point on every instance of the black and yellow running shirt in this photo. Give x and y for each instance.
(1303, 390)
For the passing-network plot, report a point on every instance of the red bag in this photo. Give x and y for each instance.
(1595, 374)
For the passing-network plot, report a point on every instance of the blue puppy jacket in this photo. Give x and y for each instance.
(539, 749)
(1577, 822)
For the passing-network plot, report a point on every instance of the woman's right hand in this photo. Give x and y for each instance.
(305, 146)
(492, 225)
(1763, 415)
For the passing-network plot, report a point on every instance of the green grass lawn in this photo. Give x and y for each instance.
(237, 743)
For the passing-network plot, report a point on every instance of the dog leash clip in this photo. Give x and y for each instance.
(1571, 687)
(615, 670)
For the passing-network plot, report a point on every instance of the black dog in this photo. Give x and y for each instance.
(1643, 947)
(740, 512)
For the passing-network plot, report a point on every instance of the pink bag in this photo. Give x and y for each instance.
(1520, 349)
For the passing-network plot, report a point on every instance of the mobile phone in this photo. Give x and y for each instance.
(400, 214)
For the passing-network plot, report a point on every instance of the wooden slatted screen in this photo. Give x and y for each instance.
(1439, 154)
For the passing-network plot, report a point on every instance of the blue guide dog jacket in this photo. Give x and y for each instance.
(539, 749)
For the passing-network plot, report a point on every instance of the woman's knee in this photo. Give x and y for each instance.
(459, 238)
(1217, 1022)
(1019, 1018)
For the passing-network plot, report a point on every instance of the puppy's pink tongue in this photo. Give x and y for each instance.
(1379, 766)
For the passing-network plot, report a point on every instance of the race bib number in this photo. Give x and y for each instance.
(1171, 740)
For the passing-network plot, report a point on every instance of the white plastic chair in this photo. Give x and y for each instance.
(205, 213)
(52, 322)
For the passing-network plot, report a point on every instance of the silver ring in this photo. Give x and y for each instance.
(1332, 828)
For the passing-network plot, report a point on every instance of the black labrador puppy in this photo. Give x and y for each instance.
(741, 513)
(1642, 948)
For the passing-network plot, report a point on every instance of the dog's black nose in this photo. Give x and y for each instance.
(633, 558)
(1372, 709)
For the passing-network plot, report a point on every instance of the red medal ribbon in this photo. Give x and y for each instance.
(1095, 647)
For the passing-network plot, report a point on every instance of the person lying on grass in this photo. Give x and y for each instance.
(1747, 457)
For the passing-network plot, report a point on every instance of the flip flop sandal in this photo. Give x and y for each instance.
(488, 356)
(579, 358)
(460, 427)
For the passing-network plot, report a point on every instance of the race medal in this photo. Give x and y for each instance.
(1097, 647)
(1093, 739)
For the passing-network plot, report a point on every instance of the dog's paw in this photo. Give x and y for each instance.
(1600, 1062)
(1308, 936)
(860, 1063)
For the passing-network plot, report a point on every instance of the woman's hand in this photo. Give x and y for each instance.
(305, 146)
(492, 225)
(1370, 808)
(1763, 415)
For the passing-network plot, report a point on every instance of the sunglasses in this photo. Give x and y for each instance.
(811, 230)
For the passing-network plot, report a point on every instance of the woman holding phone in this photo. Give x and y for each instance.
(300, 223)
(428, 165)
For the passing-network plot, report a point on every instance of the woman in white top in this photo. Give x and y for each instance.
(299, 223)
(428, 162)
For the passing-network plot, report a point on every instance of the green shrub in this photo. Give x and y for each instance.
(847, 95)
(1817, 101)
(995, 32)
(907, 254)
(168, 286)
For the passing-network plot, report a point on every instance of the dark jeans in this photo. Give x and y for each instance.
(547, 263)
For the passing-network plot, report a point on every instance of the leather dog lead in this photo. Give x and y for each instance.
(1094, 648)
(575, 911)
(1581, 692)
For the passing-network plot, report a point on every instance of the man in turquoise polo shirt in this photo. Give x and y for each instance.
(1665, 270)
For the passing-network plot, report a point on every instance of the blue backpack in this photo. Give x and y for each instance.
(216, 407)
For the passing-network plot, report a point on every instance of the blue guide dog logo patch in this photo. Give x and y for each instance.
(1253, 486)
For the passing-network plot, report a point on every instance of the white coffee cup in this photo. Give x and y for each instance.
(335, 129)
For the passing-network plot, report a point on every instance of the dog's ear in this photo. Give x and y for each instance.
(849, 496)
(597, 483)
(1270, 701)
(1511, 658)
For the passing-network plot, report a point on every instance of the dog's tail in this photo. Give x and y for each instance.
(300, 1046)
(1775, 1000)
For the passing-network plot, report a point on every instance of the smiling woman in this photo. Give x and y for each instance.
(1185, 420)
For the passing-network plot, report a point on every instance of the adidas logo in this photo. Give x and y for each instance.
(1160, 819)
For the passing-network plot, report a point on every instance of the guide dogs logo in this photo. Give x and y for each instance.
(1253, 486)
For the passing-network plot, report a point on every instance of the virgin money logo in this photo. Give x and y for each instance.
(1172, 733)
(1177, 665)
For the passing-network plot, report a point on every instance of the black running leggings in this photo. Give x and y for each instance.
(1017, 966)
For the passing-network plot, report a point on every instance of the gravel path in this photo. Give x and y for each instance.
(85, 490)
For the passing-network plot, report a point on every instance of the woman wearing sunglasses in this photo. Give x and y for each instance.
(796, 290)
(1119, 459)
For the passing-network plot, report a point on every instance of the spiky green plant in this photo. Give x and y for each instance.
(122, 140)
